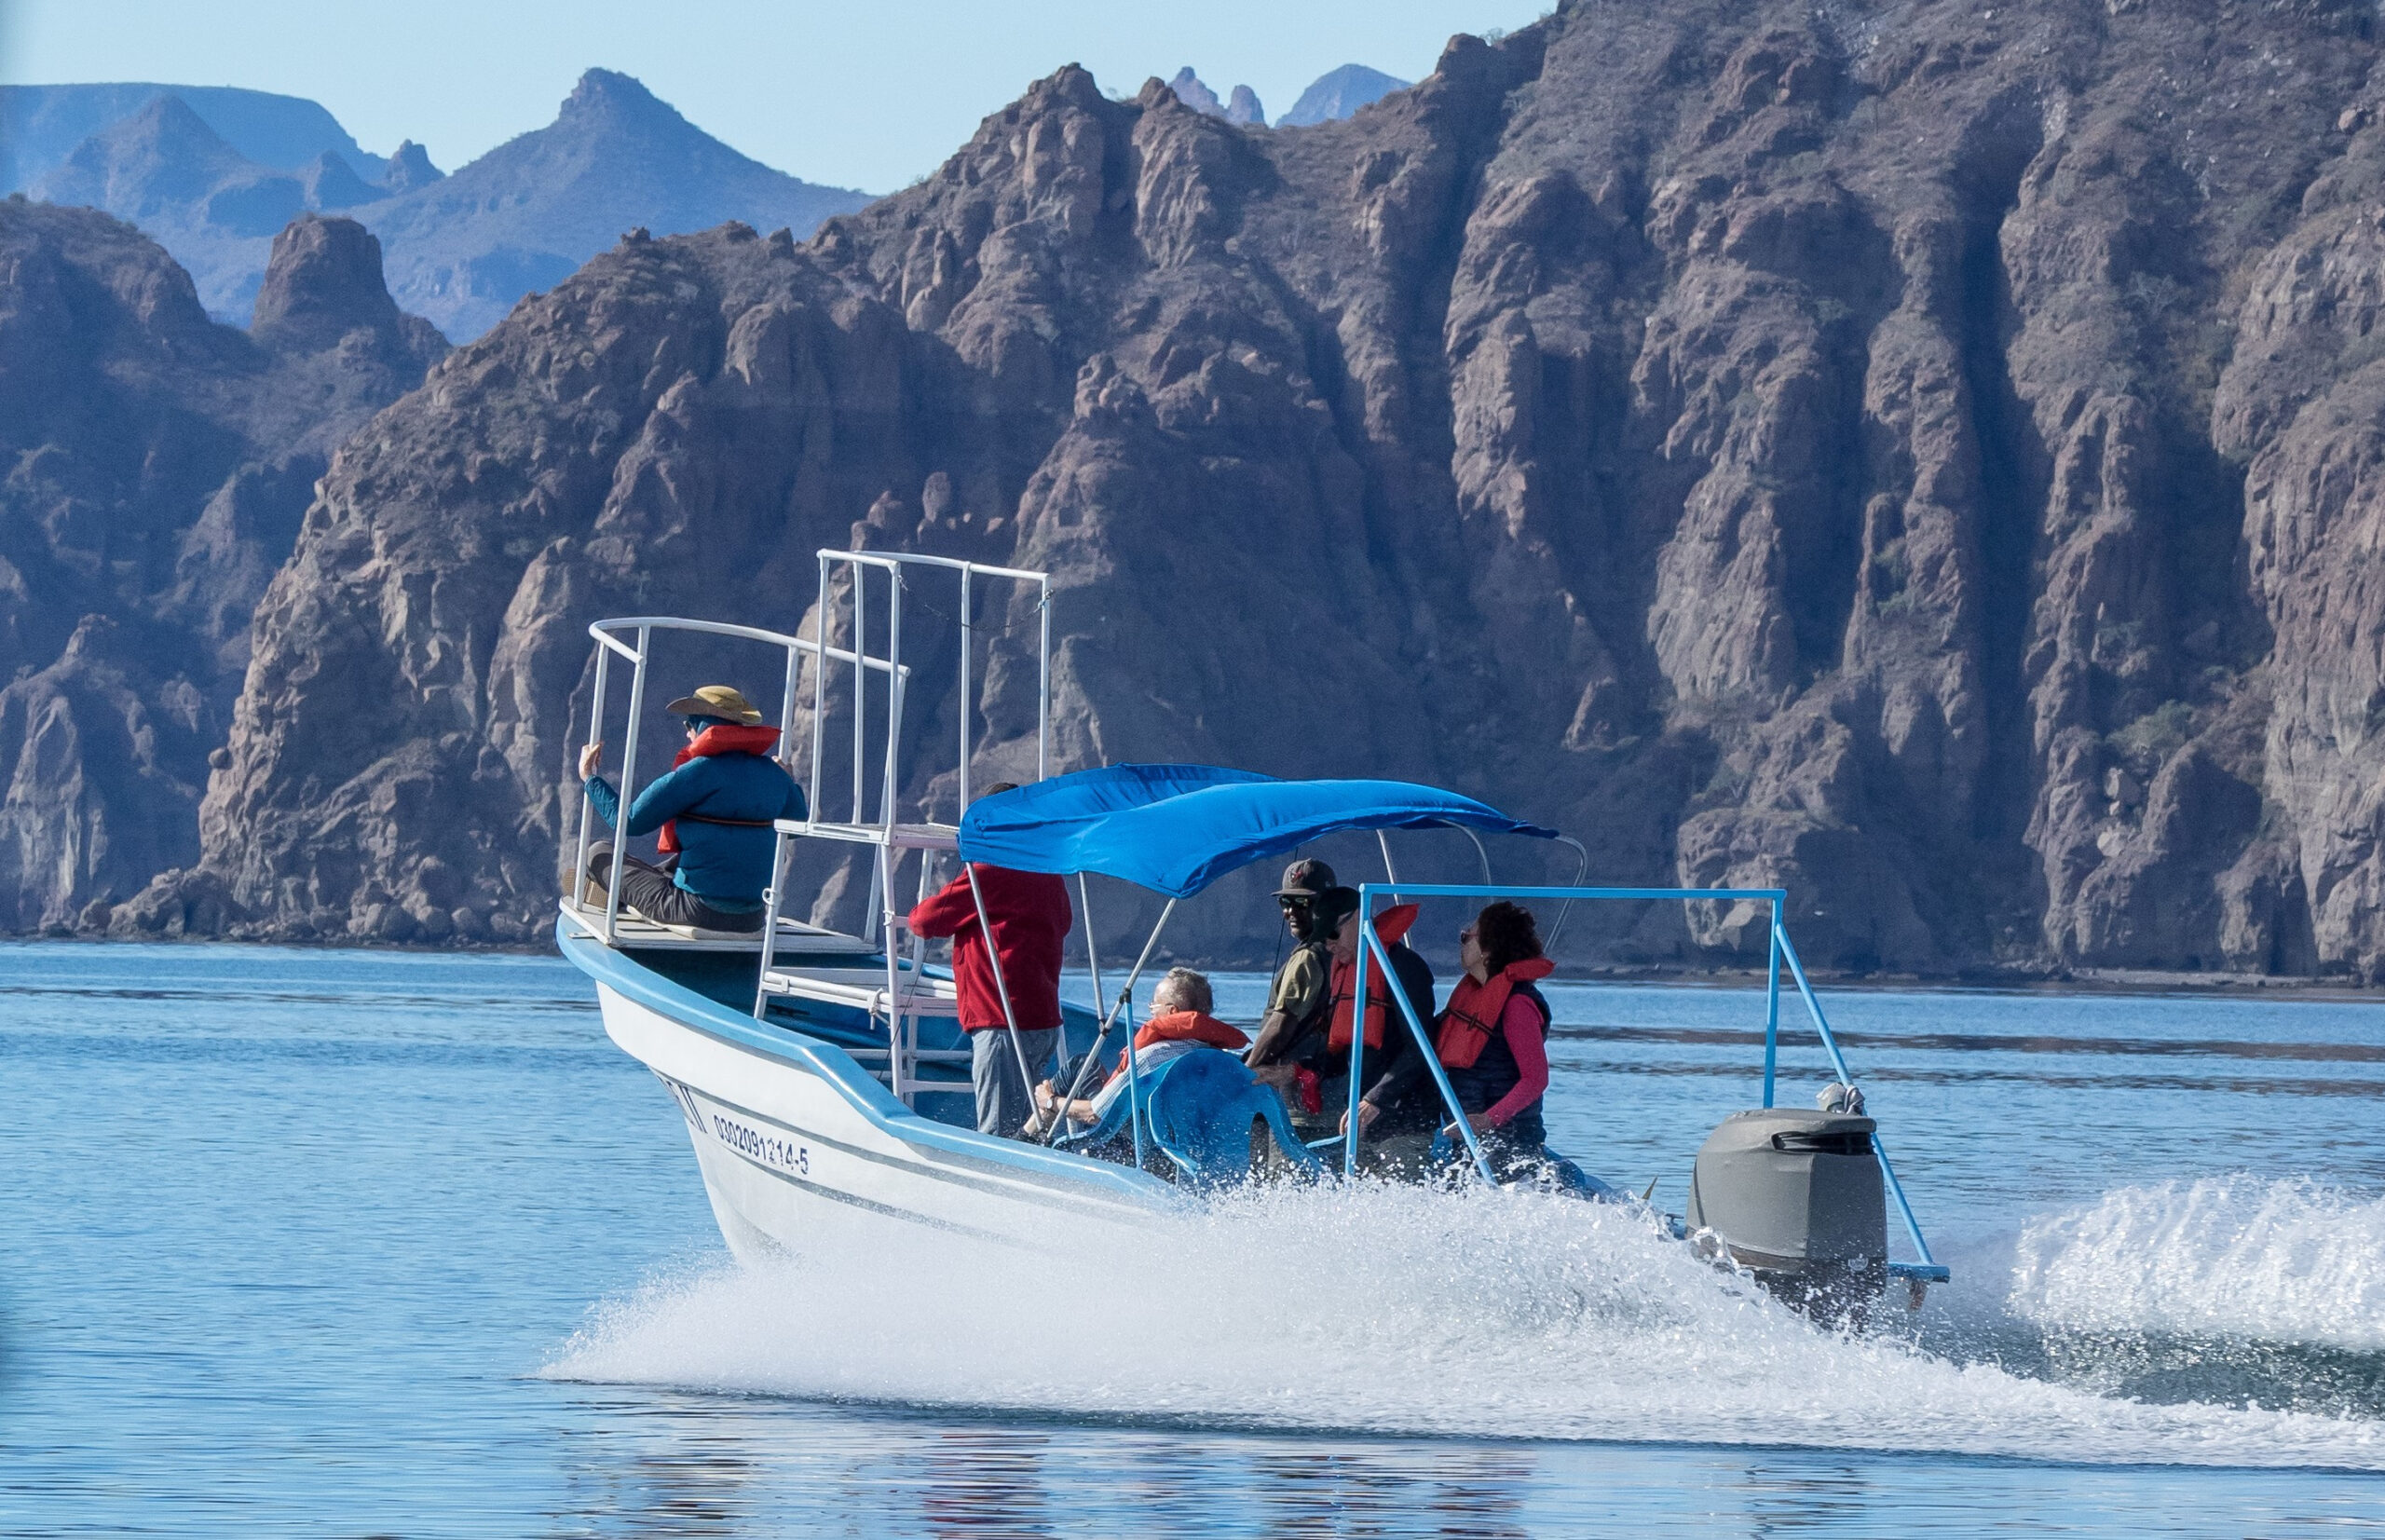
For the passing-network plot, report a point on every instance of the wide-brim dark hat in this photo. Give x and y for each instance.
(719, 701)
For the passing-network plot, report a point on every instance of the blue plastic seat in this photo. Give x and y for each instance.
(1198, 1109)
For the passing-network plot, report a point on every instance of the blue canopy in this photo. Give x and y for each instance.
(1178, 828)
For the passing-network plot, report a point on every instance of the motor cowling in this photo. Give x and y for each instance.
(1795, 1197)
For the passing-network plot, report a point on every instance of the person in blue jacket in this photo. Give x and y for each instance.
(715, 811)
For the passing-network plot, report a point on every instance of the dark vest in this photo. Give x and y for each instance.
(1494, 1073)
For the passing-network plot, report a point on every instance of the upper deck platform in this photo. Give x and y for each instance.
(635, 932)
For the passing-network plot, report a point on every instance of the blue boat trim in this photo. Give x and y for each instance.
(860, 1089)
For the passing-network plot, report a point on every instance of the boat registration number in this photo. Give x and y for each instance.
(781, 1154)
(769, 1149)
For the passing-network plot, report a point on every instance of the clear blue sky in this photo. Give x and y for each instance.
(858, 95)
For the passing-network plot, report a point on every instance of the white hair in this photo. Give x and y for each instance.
(1184, 990)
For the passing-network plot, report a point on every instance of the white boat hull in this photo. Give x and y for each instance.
(802, 1150)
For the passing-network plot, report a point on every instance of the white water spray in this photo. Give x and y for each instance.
(1387, 1309)
(2231, 1257)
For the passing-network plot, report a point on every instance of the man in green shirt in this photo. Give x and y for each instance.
(1299, 1003)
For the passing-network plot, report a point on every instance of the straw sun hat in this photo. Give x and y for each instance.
(716, 701)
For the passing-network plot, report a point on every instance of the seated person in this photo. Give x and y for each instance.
(1491, 1041)
(715, 809)
(1312, 1064)
(1179, 1024)
(1299, 999)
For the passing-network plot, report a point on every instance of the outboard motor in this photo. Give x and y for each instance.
(1795, 1197)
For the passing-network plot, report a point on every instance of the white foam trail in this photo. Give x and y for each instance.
(2233, 1257)
(1393, 1310)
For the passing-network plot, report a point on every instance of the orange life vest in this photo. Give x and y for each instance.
(1474, 1010)
(1390, 925)
(1186, 1026)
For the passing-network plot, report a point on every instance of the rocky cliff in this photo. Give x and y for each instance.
(158, 466)
(1917, 455)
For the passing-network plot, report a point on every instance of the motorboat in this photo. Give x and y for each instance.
(821, 1073)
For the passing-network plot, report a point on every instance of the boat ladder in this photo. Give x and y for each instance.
(904, 994)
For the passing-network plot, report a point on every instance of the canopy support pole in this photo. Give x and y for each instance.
(1135, 1094)
(1125, 996)
(1482, 853)
(1091, 958)
(1433, 1062)
(1001, 985)
(1365, 923)
(1581, 870)
(1772, 1004)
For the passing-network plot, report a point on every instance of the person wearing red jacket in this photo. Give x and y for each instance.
(1030, 915)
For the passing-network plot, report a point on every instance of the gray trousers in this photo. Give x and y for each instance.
(1005, 1101)
(648, 889)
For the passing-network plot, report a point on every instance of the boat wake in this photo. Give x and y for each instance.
(2227, 1288)
(1505, 1314)
(2228, 1257)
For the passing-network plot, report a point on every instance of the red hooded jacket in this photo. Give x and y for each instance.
(1030, 916)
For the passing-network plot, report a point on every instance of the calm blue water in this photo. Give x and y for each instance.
(352, 1244)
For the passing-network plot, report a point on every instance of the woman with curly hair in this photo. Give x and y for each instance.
(1492, 1039)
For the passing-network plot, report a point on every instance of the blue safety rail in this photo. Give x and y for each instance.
(1372, 953)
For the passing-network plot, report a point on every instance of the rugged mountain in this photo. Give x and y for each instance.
(1917, 455)
(524, 215)
(460, 249)
(1338, 93)
(166, 170)
(40, 126)
(410, 168)
(160, 465)
(1241, 107)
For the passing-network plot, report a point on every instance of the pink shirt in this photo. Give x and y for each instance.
(1519, 1023)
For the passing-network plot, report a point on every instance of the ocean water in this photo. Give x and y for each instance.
(360, 1244)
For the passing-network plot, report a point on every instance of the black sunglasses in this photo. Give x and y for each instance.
(1294, 901)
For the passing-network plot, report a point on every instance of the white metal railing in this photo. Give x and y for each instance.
(894, 564)
(892, 838)
(639, 656)
(903, 999)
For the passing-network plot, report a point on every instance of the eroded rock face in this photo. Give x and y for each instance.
(1918, 457)
(157, 467)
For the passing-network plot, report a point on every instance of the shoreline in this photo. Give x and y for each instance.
(2050, 981)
